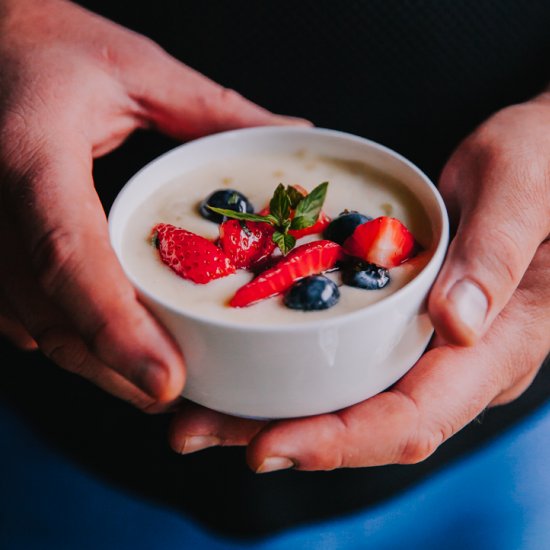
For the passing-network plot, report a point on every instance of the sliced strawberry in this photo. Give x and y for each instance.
(246, 244)
(191, 256)
(318, 227)
(384, 241)
(307, 259)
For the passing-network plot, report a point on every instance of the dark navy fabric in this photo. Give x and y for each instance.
(498, 498)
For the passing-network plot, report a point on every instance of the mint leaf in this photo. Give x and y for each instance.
(294, 195)
(243, 215)
(279, 206)
(309, 208)
(284, 241)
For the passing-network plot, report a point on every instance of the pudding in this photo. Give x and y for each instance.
(268, 360)
(353, 185)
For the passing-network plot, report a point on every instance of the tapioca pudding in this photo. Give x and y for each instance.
(353, 188)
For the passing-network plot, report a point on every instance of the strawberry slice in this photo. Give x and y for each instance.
(307, 259)
(318, 227)
(191, 256)
(248, 243)
(384, 241)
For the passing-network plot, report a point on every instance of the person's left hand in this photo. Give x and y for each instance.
(493, 295)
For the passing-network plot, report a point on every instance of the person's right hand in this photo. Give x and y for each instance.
(73, 87)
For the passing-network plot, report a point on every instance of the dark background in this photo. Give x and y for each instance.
(414, 75)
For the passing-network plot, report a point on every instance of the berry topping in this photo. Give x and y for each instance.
(191, 256)
(344, 225)
(291, 211)
(384, 241)
(307, 259)
(246, 244)
(312, 293)
(364, 275)
(228, 199)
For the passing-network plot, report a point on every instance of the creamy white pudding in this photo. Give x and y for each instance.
(352, 186)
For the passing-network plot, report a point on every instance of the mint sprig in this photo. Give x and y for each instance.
(308, 209)
(284, 241)
(284, 201)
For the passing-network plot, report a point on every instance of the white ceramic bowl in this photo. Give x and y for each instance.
(316, 366)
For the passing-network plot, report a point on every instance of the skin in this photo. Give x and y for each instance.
(62, 290)
(73, 87)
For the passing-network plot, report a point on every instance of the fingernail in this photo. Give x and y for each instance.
(198, 443)
(469, 303)
(274, 463)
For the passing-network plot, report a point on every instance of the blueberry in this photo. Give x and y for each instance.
(312, 293)
(340, 228)
(224, 198)
(364, 275)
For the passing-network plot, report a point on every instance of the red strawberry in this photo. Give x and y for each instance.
(318, 227)
(246, 243)
(307, 259)
(384, 241)
(191, 256)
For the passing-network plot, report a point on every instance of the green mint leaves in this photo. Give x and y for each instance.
(308, 209)
(288, 209)
(284, 241)
(279, 205)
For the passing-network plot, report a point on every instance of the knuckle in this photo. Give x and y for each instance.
(420, 445)
(64, 349)
(136, 51)
(421, 439)
(221, 102)
(131, 48)
(147, 46)
(56, 257)
(502, 258)
(509, 260)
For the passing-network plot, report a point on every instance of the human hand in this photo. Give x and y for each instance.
(73, 87)
(497, 187)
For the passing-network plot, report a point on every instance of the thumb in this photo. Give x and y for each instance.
(503, 220)
(183, 103)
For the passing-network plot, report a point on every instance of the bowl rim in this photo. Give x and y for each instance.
(317, 324)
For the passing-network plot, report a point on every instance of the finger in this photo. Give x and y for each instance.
(69, 351)
(184, 103)
(196, 428)
(494, 244)
(447, 388)
(533, 296)
(60, 343)
(392, 427)
(62, 229)
(16, 333)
